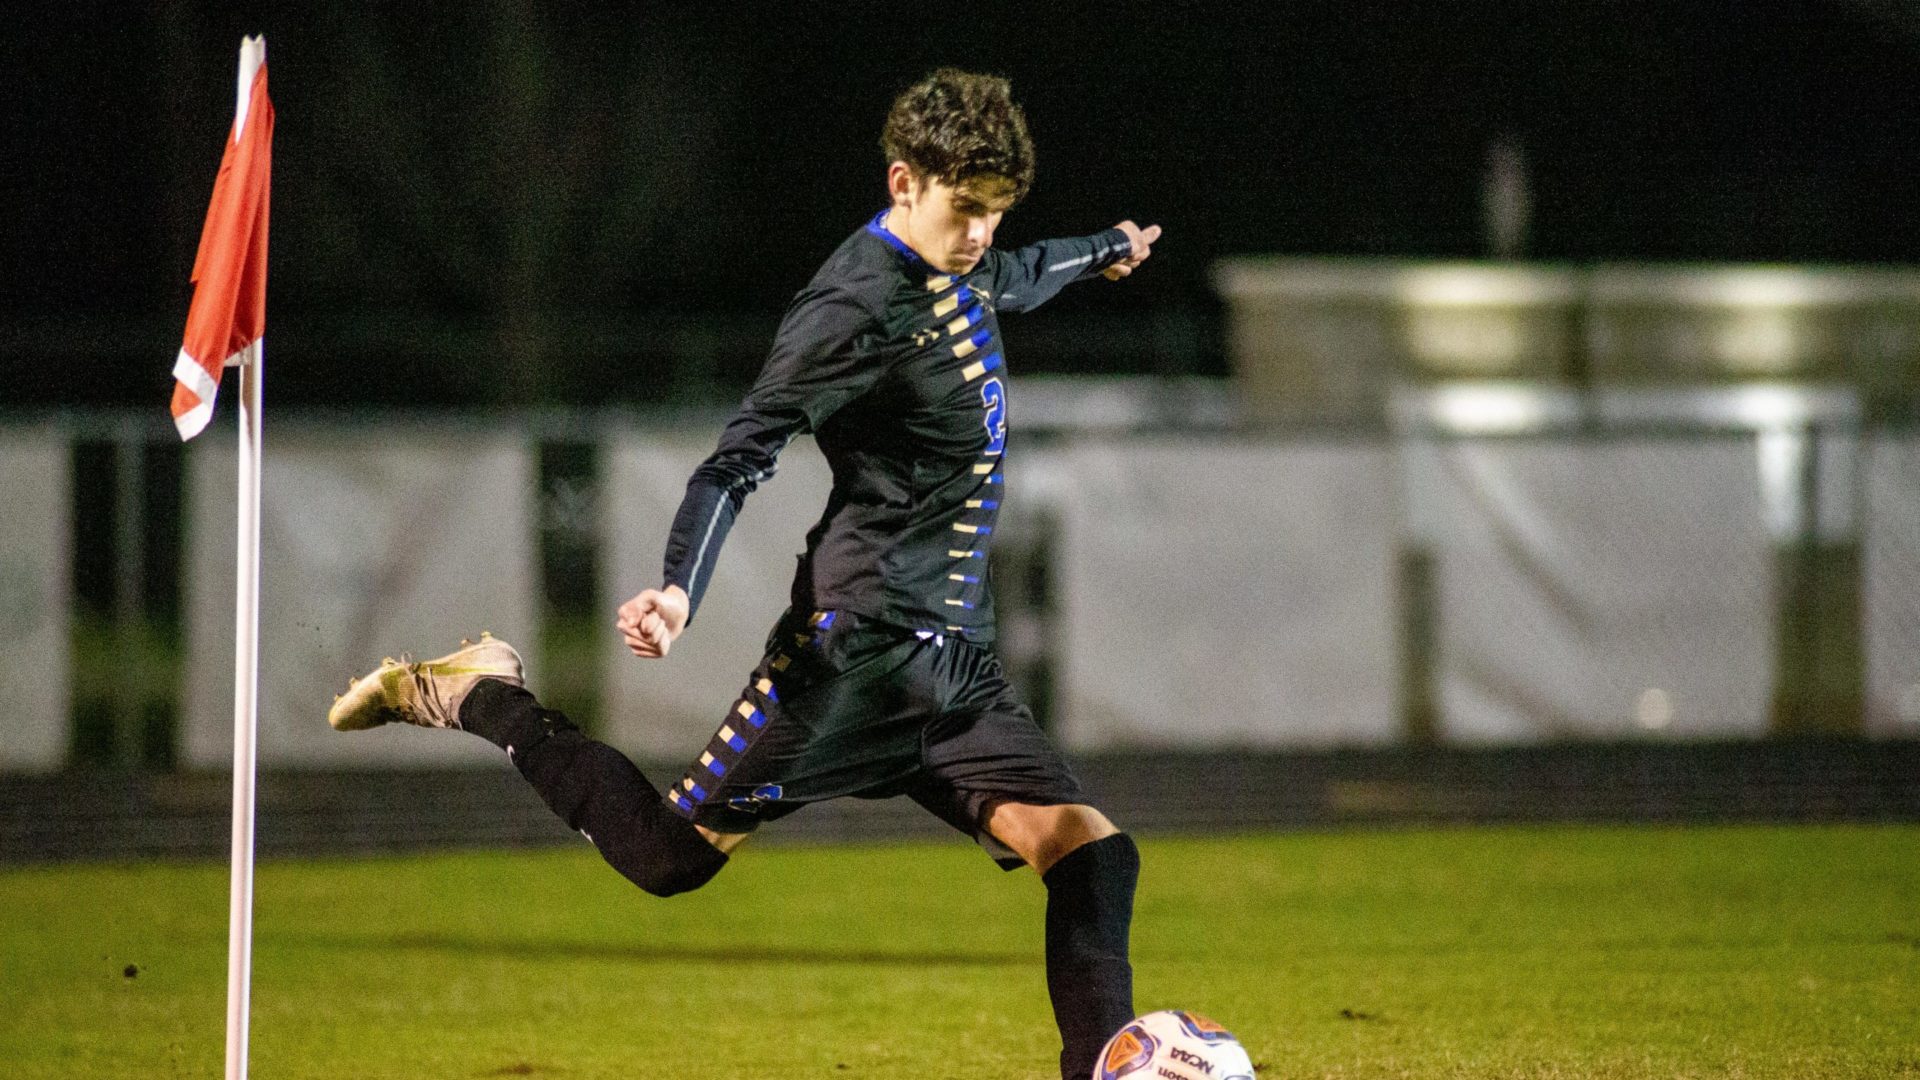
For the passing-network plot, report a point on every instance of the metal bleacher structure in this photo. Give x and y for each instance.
(1455, 542)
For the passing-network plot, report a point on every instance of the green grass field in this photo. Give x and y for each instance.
(1548, 952)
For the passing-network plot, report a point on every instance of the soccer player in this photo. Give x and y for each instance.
(881, 679)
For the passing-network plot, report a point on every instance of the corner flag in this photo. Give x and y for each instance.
(225, 326)
(229, 311)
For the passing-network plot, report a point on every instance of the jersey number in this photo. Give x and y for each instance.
(994, 397)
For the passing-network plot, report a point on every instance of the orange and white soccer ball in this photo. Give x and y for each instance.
(1173, 1045)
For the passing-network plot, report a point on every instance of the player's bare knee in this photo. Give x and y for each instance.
(1043, 835)
(1075, 828)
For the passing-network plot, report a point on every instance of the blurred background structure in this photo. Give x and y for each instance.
(1517, 420)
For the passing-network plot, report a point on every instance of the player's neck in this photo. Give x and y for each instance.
(896, 223)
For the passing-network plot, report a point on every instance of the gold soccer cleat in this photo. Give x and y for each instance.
(427, 693)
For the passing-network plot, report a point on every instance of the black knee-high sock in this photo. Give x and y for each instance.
(594, 789)
(1089, 912)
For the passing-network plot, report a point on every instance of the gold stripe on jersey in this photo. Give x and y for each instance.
(973, 371)
(945, 307)
(964, 350)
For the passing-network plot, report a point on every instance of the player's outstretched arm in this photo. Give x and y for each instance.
(1027, 277)
(1142, 241)
(650, 622)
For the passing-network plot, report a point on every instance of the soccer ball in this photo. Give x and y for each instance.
(1174, 1045)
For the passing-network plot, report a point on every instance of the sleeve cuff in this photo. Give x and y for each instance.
(1109, 247)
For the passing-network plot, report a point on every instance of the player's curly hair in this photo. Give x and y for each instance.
(957, 126)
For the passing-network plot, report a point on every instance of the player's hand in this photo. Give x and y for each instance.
(649, 622)
(1142, 240)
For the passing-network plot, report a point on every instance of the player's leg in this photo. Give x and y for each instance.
(593, 787)
(1090, 869)
(597, 791)
(991, 772)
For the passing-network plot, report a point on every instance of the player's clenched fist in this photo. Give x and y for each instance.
(1142, 241)
(649, 622)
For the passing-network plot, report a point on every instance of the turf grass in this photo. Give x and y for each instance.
(1747, 952)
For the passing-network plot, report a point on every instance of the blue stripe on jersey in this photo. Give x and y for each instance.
(878, 227)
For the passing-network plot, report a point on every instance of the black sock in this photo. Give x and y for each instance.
(1089, 912)
(595, 790)
(508, 716)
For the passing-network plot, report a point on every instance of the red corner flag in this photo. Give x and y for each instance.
(229, 311)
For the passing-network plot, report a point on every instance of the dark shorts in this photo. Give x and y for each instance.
(841, 705)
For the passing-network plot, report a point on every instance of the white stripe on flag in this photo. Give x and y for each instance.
(194, 420)
(188, 370)
(190, 374)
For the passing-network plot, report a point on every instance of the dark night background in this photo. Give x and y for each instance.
(515, 203)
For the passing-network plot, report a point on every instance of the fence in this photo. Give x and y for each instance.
(1580, 580)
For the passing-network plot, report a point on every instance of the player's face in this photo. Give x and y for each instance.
(950, 227)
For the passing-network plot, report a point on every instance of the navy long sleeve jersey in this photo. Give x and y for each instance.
(898, 372)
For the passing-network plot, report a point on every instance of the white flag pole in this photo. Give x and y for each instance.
(246, 706)
(246, 653)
